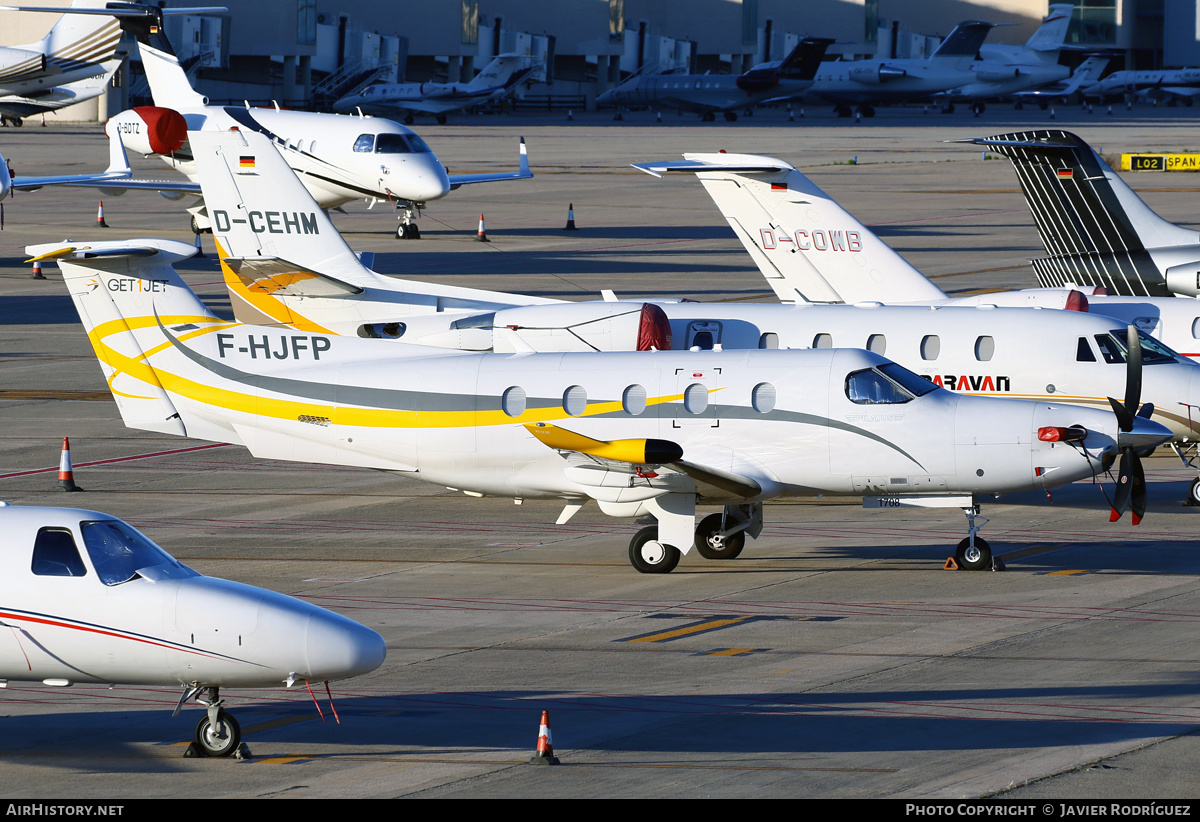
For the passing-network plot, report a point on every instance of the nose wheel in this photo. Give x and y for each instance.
(219, 736)
(973, 555)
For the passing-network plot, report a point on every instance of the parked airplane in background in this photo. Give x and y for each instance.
(642, 433)
(340, 159)
(76, 48)
(800, 240)
(1183, 84)
(713, 93)
(1066, 91)
(499, 78)
(86, 598)
(1005, 70)
(13, 107)
(1096, 230)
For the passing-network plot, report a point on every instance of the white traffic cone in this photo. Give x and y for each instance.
(482, 235)
(66, 477)
(544, 755)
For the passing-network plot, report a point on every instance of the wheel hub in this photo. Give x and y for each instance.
(653, 552)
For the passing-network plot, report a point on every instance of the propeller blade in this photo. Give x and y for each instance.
(1124, 415)
(1138, 496)
(1146, 411)
(1133, 370)
(1121, 496)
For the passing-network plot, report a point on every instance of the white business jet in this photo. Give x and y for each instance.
(86, 598)
(799, 238)
(641, 433)
(977, 349)
(503, 76)
(15, 106)
(76, 48)
(339, 158)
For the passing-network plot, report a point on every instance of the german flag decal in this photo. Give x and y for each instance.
(1066, 174)
(246, 162)
(779, 186)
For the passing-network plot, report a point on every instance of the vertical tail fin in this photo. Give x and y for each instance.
(809, 249)
(1095, 229)
(1048, 40)
(81, 38)
(961, 45)
(126, 294)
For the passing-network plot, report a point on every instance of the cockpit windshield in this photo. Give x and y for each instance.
(392, 144)
(870, 387)
(1113, 346)
(419, 146)
(119, 553)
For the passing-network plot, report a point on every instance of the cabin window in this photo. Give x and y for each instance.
(763, 398)
(1196, 328)
(877, 343)
(392, 144)
(120, 553)
(633, 400)
(513, 401)
(931, 347)
(985, 347)
(695, 398)
(823, 341)
(55, 554)
(575, 400)
(364, 143)
(1084, 352)
(768, 340)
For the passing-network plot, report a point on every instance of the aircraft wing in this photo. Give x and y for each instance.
(117, 176)
(738, 163)
(1181, 91)
(457, 180)
(275, 276)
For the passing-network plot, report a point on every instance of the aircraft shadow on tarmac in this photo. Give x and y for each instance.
(502, 725)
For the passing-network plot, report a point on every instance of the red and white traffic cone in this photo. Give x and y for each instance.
(482, 235)
(100, 216)
(570, 226)
(66, 478)
(37, 271)
(545, 745)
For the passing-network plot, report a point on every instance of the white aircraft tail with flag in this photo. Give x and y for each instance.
(809, 248)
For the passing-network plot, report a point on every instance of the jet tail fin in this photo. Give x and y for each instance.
(809, 249)
(1095, 229)
(962, 44)
(128, 297)
(1048, 40)
(804, 60)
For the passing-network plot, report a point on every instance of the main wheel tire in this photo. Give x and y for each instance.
(978, 558)
(730, 116)
(441, 118)
(712, 546)
(219, 740)
(408, 119)
(649, 556)
(1194, 492)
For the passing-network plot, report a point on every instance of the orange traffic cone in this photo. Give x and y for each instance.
(545, 745)
(66, 478)
(37, 270)
(100, 216)
(570, 226)
(482, 235)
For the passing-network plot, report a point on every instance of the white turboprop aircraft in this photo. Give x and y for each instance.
(339, 158)
(646, 432)
(713, 93)
(1006, 70)
(1164, 84)
(76, 48)
(499, 78)
(798, 237)
(86, 598)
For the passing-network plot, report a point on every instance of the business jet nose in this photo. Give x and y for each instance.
(337, 647)
(426, 178)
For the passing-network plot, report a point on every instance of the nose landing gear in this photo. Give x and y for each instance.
(217, 732)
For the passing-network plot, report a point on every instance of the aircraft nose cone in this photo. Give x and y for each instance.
(429, 180)
(337, 647)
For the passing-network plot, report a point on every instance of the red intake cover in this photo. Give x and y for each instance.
(1076, 301)
(654, 329)
(165, 128)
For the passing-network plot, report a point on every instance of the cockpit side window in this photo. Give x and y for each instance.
(1084, 352)
(55, 554)
(1112, 347)
(392, 144)
(869, 387)
(364, 143)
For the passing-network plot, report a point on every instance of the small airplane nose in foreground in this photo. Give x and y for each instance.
(337, 648)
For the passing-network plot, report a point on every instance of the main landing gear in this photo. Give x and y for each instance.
(974, 553)
(719, 536)
(217, 732)
(1187, 452)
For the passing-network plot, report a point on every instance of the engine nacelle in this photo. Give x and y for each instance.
(998, 75)
(435, 90)
(149, 129)
(5, 179)
(1184, 279)
(873, 75)
(590, 326)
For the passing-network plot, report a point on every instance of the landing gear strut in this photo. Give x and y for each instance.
(1187, 455)
(217, 732)
(407, 229)
(974, 553)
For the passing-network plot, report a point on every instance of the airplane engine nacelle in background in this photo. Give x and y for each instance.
(619, 326)
(5, 179)
(1184, 279)
(440, 90)
(873, 75)
(149, 129)
(998, 75)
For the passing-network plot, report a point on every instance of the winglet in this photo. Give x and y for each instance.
(118, 160)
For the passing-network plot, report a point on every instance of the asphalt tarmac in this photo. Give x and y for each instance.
(834, 658)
